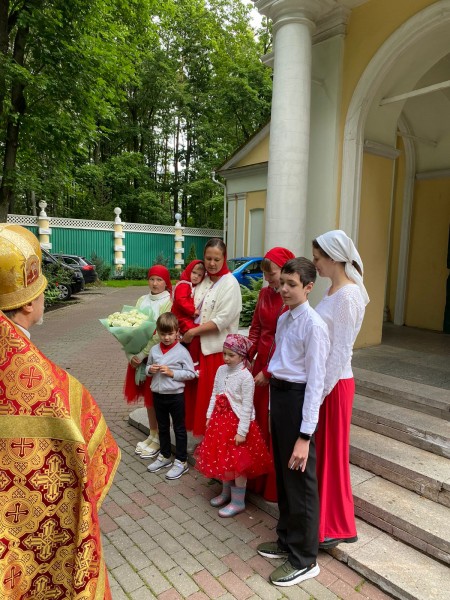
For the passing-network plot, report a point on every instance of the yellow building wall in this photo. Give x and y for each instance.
(427, 272)
(254, 200)
(396, 226)
(369, 27)
(376, 189)
(258, 154)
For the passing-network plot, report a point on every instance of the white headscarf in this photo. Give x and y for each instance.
(341, 248)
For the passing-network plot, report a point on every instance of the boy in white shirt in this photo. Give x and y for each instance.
(297, 371)
(170, 365)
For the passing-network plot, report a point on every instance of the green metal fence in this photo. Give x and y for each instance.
(143, 242)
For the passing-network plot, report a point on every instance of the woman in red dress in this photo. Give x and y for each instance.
(262, 334)
(218, 299)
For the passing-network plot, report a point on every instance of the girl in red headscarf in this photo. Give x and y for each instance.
(262, 334)
(159, 299)
(183, 308)
(233, 448)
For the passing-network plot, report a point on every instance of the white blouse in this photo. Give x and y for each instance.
(238, 385)
(221, 303)
(343, 312)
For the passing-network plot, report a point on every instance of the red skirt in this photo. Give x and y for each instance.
(208, 366)
(266, 485)
(133, 392)
(337, 513)
(218, 456)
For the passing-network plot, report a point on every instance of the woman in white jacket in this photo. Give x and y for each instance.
(218, 298)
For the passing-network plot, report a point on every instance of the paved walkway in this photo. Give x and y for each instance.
(163, 539)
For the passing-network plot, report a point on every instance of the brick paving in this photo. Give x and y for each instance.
(163, 539)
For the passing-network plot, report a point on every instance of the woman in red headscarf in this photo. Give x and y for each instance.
(219, 302)
(159, 300)
(262, 334)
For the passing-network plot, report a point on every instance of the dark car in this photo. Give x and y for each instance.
(75, 276)
(86, 267)
(246, 268)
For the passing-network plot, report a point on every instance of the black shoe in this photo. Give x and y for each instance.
(287, 574)
(333, 542)
(272, 550)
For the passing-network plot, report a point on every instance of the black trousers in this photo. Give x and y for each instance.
(166, 406)
(298, 498)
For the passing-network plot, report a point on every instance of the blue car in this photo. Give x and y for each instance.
(246, 268)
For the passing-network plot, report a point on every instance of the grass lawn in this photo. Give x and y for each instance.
(121, 283)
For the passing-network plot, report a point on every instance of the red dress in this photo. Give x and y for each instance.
(218, 456)
(262, 333)
(183, 308)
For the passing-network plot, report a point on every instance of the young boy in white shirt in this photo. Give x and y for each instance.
(297, 371)
(170, 365)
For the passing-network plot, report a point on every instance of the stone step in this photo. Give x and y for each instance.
(395, 567)
(415, 520)
(412, 468)
(416, 396)
(409, 426)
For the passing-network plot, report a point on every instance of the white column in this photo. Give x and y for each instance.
(293, 23)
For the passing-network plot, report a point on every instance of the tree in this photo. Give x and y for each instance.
(126, 103)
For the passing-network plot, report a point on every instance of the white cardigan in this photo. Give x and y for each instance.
(221, 303)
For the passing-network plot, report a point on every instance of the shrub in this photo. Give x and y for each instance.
(104, 271)
(55, 274)
(175, 273)
(161, 260)
(249, 300)
(135, 273)
(192, 254)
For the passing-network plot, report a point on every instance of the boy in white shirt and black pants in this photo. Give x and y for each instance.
(297, 371)
(170, 365)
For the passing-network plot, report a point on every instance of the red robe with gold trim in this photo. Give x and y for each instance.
(57, 462)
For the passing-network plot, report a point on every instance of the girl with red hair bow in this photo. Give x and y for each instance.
(159, 299)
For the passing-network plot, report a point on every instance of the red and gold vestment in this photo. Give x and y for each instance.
(57, 462)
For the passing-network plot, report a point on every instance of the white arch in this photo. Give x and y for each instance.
(406, 39)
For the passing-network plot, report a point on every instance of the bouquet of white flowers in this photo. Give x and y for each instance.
(133, 328)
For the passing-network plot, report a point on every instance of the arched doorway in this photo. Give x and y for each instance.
(401, 103)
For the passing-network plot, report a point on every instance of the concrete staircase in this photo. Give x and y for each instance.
(400, 450)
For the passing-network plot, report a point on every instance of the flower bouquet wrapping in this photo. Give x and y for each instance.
(131, 327)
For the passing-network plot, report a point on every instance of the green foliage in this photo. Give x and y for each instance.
(174, 274)
(249, 300)
(128, 104)
(104, 271)
(161, 260)
(192, 254)
(136, 273)
(55, 274)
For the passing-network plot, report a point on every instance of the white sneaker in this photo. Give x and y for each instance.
(177, 470)
(151, 450)
(160, 463)
(142, 445)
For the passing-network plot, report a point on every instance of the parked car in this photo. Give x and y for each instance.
(246, 268)
(86, 267)
(76, 277)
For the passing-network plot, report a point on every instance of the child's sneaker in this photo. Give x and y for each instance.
(177, 470)
(160, 463)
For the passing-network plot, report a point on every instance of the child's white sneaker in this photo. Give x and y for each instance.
(177, 470)
(160, 463)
